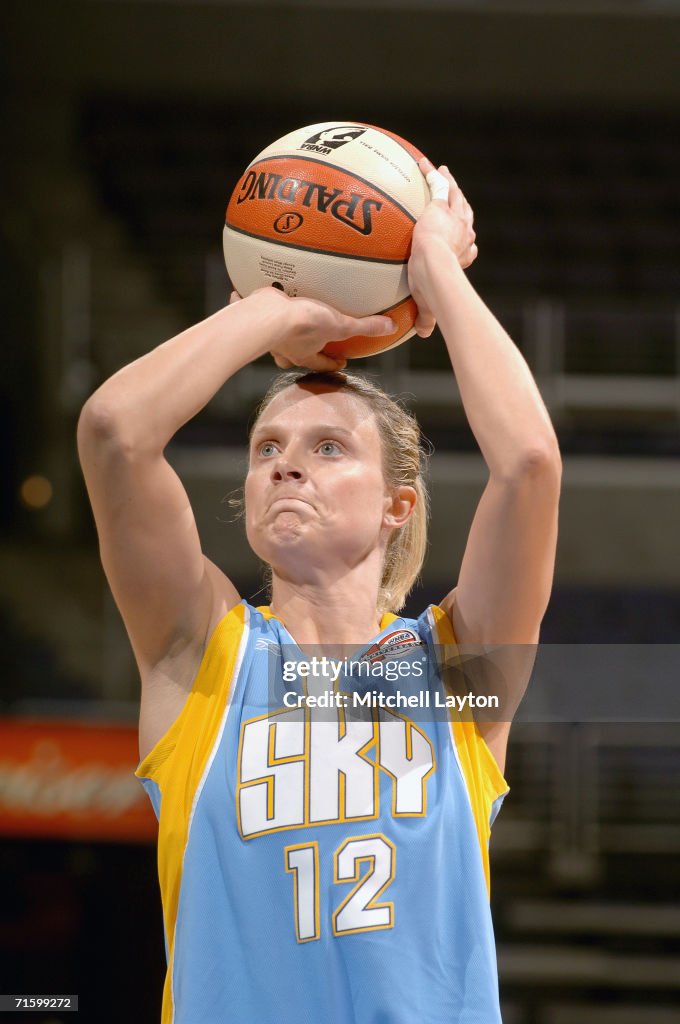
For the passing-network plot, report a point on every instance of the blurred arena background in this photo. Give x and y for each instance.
(125, 125)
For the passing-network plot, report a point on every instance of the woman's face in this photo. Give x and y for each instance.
(315, 494)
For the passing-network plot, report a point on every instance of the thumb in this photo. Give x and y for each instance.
(371, 326)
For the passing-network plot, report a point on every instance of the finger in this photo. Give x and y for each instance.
(369, 326)
(447, 174)
(469, 257)
(282, 362)
(457, 199)
(455, 193)
(437, 182)
(425, 326)
(439, 186)
(458, 202)
(322, 362)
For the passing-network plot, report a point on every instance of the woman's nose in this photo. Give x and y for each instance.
(285, 469)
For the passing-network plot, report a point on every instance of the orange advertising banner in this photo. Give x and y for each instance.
(73, 780)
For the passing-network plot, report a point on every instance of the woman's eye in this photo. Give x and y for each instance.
(267, 448)
(329, 447)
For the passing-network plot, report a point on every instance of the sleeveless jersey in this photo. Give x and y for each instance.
(324, 866)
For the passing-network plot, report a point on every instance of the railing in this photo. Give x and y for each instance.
(613, 357)
(583, 790)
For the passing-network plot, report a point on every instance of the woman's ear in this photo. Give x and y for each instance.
(401, 505)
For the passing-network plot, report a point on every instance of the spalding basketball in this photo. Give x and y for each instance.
(327, 212)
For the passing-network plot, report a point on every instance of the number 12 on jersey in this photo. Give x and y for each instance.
(359, 911)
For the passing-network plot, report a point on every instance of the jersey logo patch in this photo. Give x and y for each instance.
(394, 645)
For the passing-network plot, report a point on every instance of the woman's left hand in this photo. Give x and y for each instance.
(446, 223)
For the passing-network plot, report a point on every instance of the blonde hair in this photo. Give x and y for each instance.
(404, 455)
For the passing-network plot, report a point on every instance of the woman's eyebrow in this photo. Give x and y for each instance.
(264, 431)
(315, 428)
(330, 428)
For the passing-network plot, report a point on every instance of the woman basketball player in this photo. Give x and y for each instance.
(324, 866)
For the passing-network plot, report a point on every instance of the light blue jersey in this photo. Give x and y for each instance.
(324, 865)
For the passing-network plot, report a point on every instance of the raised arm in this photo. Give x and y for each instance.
(168, 593)
(507, 569)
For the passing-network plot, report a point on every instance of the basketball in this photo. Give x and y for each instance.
(327, 212)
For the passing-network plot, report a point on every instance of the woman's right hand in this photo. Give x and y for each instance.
(308, 325)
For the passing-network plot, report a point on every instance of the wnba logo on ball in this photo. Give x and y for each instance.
(331, 138)
(287, 222)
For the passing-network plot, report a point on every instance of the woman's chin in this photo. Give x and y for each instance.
(287, 523)
(280, 539)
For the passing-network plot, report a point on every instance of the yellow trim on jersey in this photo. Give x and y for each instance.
(267, 613)
(483, 778)
(178, 763)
